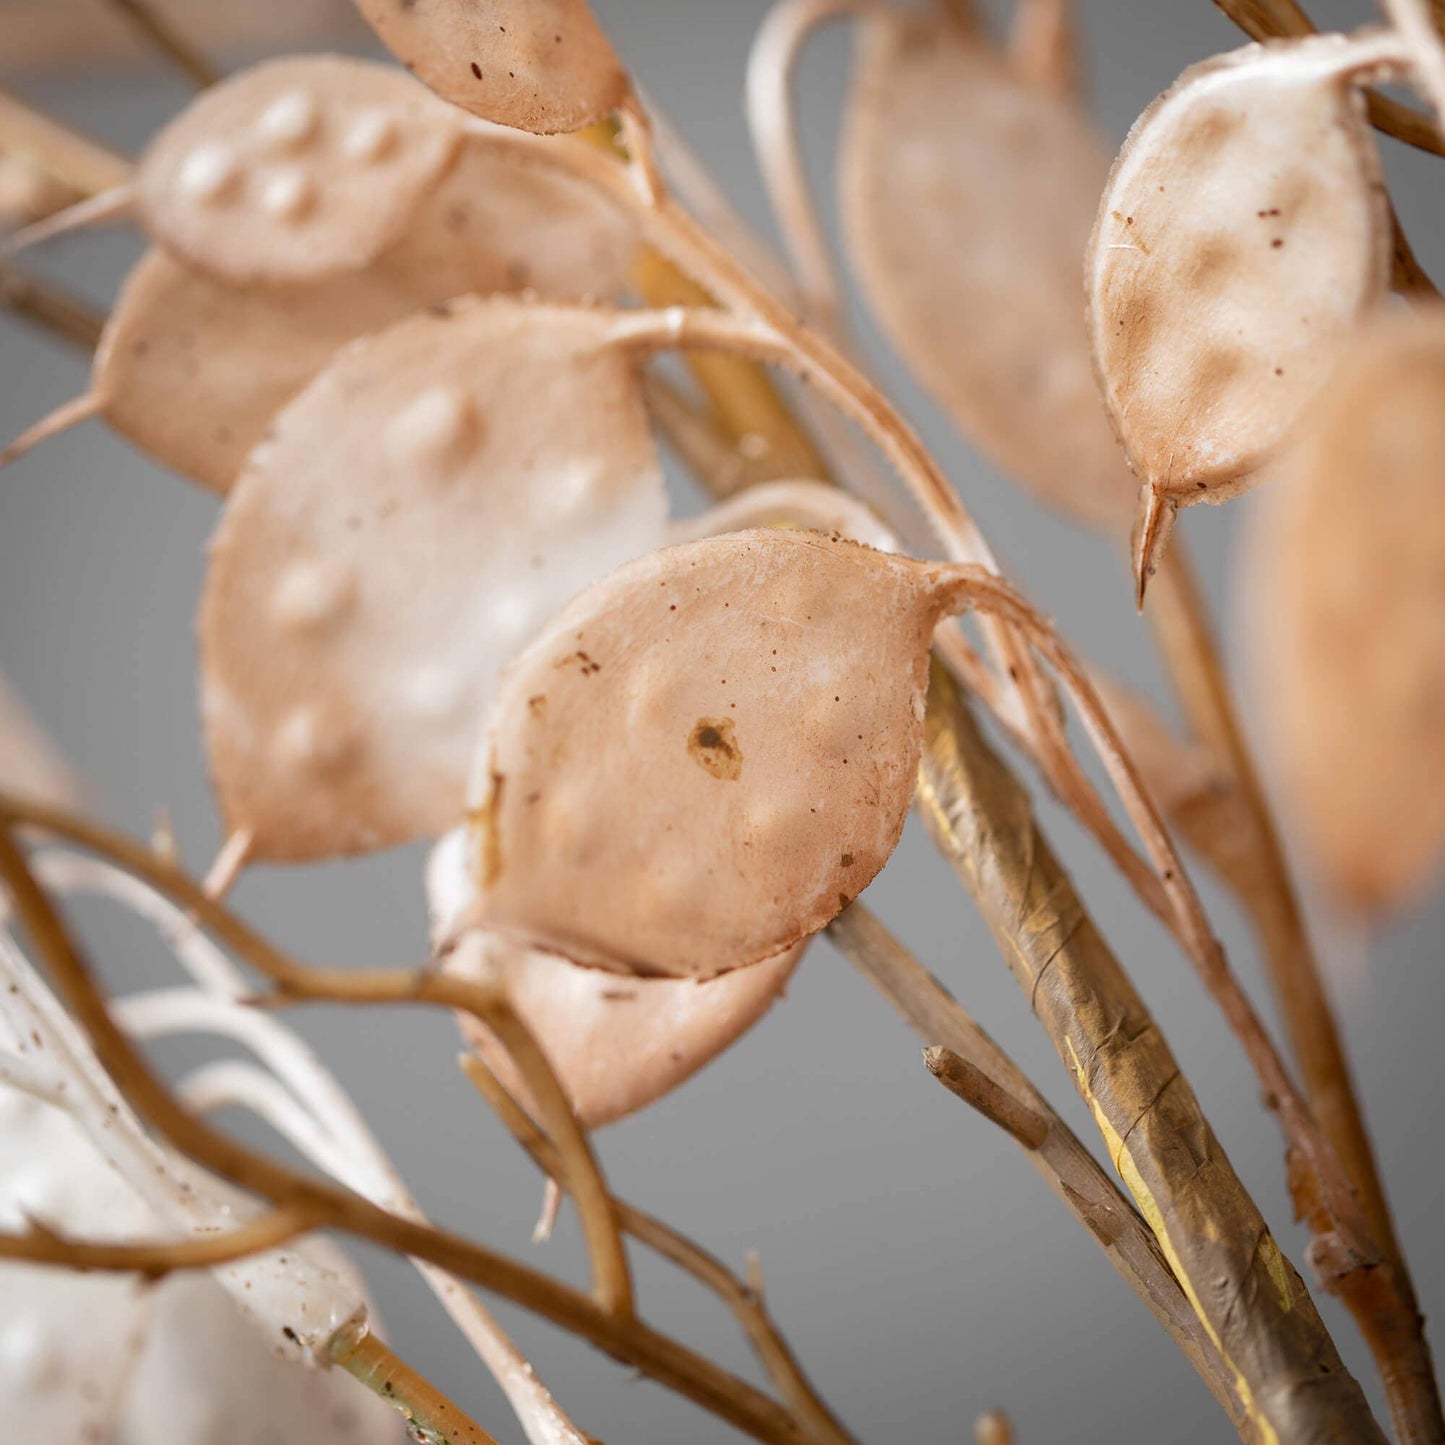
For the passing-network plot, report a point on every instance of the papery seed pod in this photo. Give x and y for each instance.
(295, 169)
(617, 1045)
(1346, 591)
(417, 514)
(538, 65)
(967, 196)
(193, 370)
(1243, 235)
(707, 755)
(173, 1360)
(30, 766)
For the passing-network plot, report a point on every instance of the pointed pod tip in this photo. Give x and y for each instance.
(1153, 527)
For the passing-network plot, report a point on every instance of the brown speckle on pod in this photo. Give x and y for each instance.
(537, 65)
(391, 544)
(1346, 591)
(1243, 234)
(967, 193)
(296, 169)
(647, 864)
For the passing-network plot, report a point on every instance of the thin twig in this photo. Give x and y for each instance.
(168, 42)
(49, 307)
(1026, 1127)
(59, 151)
(1063, 1162)
(1381, 1299)
(744, 1302)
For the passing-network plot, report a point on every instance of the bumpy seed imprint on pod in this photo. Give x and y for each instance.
(617, 1044)
(600, 833)
(296, 169)
(193, 370)
(1346, 586)
(85, 1349)
(538, 65)
(416, 515)
(1243, 234)
(967, 197)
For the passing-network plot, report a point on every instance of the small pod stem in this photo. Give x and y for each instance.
(116, 204)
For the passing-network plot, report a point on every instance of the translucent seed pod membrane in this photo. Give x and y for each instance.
(708, 755)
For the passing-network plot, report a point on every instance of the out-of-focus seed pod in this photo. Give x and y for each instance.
(617, 1045)
(967, 193)
(193, 369)
(1346, 593)
(416, 515)
(1243, 235)
(296, 169)
(707, 755)
(538, 65)
(30, 765)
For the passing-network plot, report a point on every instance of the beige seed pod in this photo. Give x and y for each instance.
(193, 370)
(617, 1045)
(1243, 234)
(538, 65)
(967, 195)
(707, 755)
(416, 515)
(30, 765)
(295, 169)
(1346, 578)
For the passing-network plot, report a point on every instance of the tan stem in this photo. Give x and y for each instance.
(1382, 1300)
(83, 165)
(50, 308)
(167, 41)
(1290, 1380)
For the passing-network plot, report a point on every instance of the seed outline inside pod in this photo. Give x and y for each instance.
(260, 179)
(1221, 283)
(816, 647)
(354, 728)
(538, 65)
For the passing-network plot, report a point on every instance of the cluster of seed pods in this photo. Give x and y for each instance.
(1345, 586)
(1242, 238)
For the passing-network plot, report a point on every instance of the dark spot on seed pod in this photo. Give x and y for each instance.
(713, 746)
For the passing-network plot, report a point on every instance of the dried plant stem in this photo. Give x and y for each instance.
(50, 308)
(745, 1303)
(1060, 1157)
(1290, 1381)
(78, 163)
(430, 1416)
(1381, 1299)
(627, 1339)
(163, 37)
(981, 1092)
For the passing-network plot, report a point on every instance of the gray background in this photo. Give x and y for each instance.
(911, 1254)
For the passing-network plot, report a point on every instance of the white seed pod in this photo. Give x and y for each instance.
(295, 169)
(175, 1359)
(967, 195)
(193, 370)
(417, 514)
(537, 65)
(617, 1045)
(1346, 586)
(1243, 234)
(707, 755)
(30, 765)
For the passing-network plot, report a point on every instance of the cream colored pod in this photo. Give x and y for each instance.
(707, 755)
(415, 516)
(102, 1357)
(1346, 617)
(537, 65)
(616, 1045)
(967, 192)
(1243, 235)
(295, 169)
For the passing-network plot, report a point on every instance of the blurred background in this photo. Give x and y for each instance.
(911, 1255)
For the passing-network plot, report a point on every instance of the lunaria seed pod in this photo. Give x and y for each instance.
(193, 369)
(967, 194)
(30, 765)
(617, 1045)
(1243, 235)
(418, 513)
(1346, 591)
(173, 1360)
(707, 755)
(537, 65)
(295, 169)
